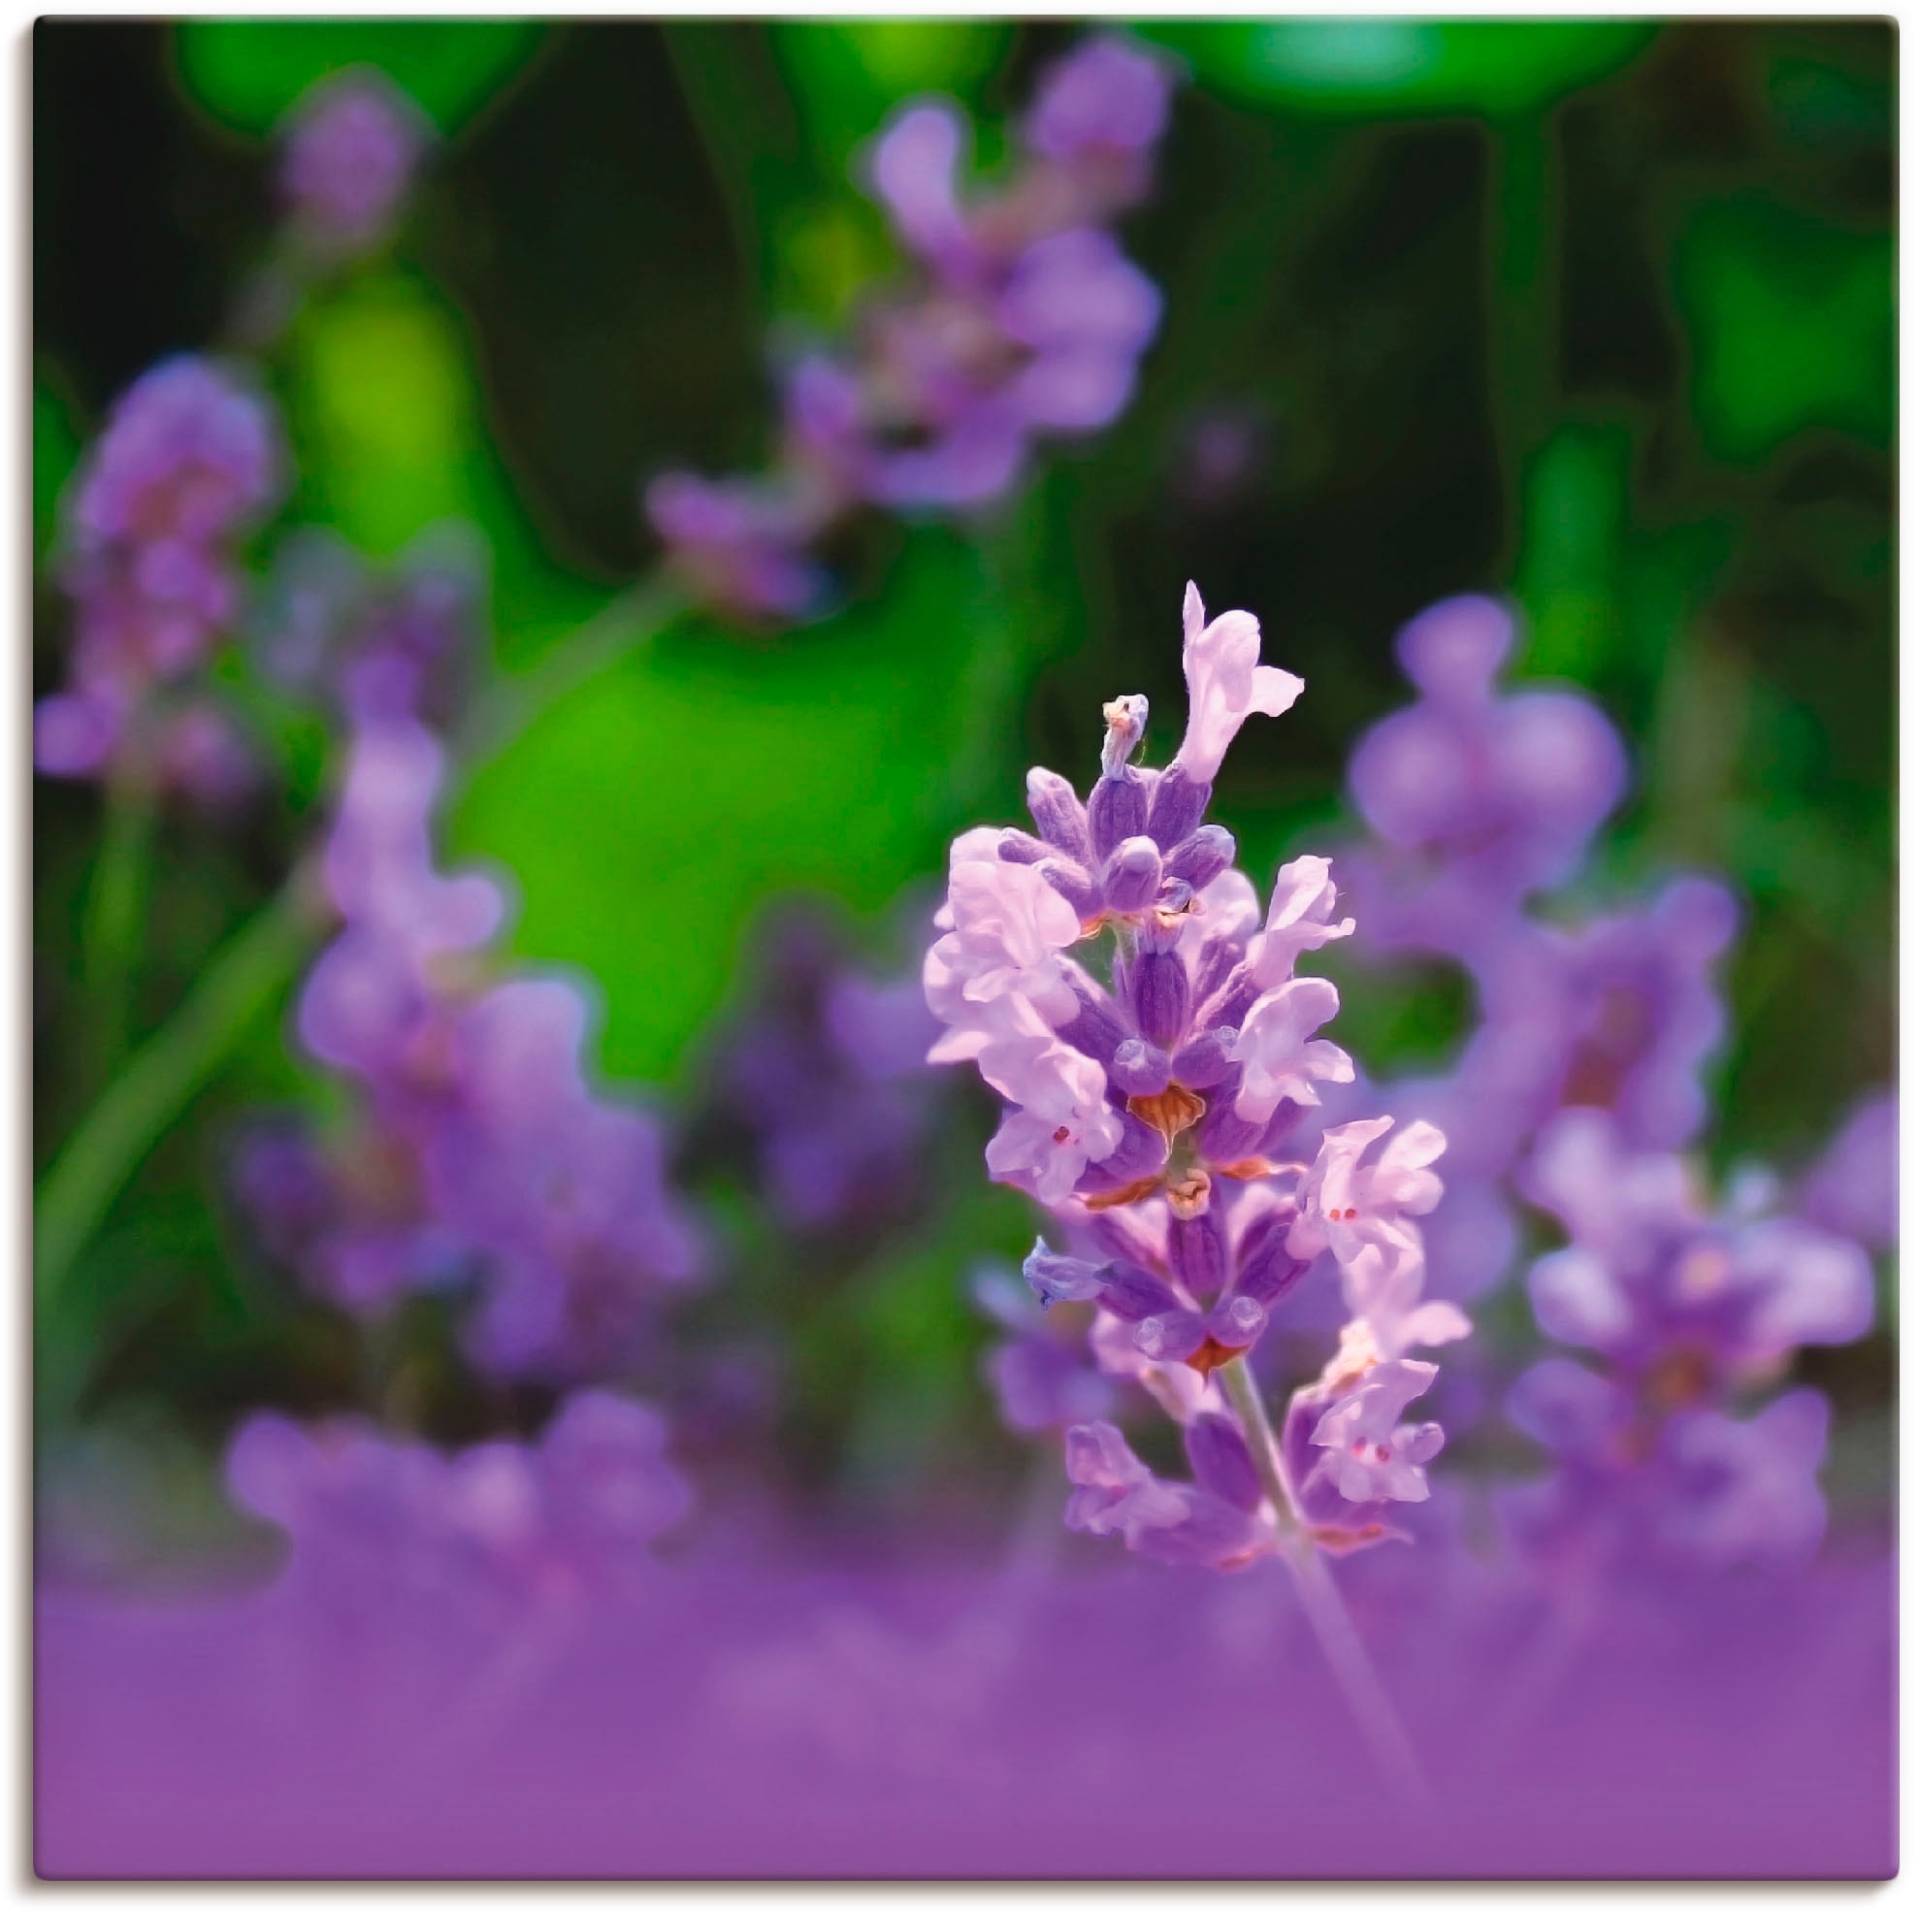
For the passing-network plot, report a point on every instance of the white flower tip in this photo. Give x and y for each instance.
(1193, 613)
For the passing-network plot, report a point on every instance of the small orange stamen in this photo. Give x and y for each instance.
(1172, 1111)
(1210, 1354)
(1250, 1168)
(1121, 1197)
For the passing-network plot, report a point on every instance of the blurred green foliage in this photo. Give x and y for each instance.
(1596, 312)
(249, 72)
(1380, 67)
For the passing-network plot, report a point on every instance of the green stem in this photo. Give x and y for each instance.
(260, 961)
(112, 931)
(513, 704)
(1523, 315)
(1340, 1642)
(244, 977)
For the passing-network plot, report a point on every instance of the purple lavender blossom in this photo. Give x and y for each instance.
(1684, 1309)
(1695, 1488)
(188, 461)
(352, 145)
(827, 1076)
(1619, 1013)
(1478, 799)
(1683, 1302)
(1852, 1189)
(1023, 321)
(375, 1523)
(481, 1157)
(1214, 1523)
(1149, 1109)
(394, 644)
(737, 545)
(1042, 1372)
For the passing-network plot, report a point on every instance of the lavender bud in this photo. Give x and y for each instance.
(1133, 1294)
(1117, 810)
(1197, 859)
(1218, 1456)
(1142, 1152)
(1138, 1068)
(1223, 1136)
(1016, 846)
(1179, 802)
(1237, 1322)
(1157, 987)
(1073, 882)
(1267, 1273)
(1096, 1030)
(1132, 877)
(1169, 1337)
(1197, 1253)
(1205, 1061)
(1057, 813)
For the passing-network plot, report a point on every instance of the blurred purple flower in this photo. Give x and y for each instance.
(1023, 321)
(1684, 1308)
(376, 1524)
(1479, 799)
(351, 147)
(1619, 1013)
(826, 1075)
(1042, 1371)
(480, 1152)
(400, 643)
(190, 458)
(1852, 1189)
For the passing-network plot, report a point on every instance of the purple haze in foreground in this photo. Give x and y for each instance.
(763, 1717)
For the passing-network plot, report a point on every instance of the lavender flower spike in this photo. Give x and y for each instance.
(1150, 1099)
(190, 459)
(1018, 320)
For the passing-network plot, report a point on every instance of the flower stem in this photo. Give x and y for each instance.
(1522, 296)
(512, 704)
(113, 927)
(1346, 1653)
(244, 977)
(237, 984)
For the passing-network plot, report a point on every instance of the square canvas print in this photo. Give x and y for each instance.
(963, 948)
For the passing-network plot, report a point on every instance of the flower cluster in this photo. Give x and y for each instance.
(374, 1523)
(1682, 1309)
(1149, 1110)
(1023, 321)
(480, 1153)
(189, 461)
(1579, 1080)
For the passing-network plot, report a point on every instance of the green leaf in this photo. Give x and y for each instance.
(649, 814)
(385, 410)
(848, 75)
(248, 72)
(1792, 320)
(1416, 67)
(1569, 568)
